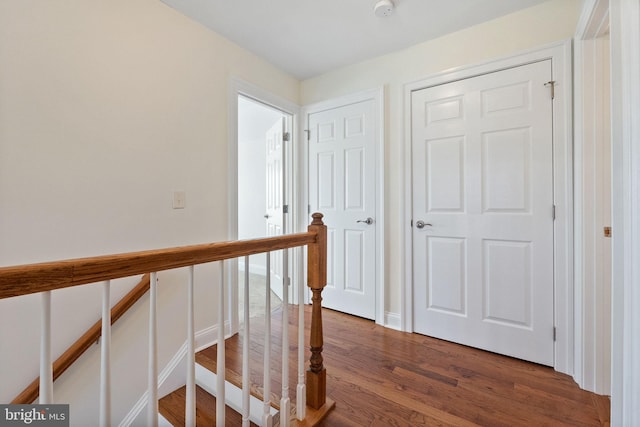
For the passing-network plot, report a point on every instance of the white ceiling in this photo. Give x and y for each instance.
(307, 38)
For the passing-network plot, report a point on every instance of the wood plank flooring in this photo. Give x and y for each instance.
(382, 377)
(172, 407)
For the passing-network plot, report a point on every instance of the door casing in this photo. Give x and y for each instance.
(560, 55)
(592, 268)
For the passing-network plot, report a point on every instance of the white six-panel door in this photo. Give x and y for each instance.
(342, 185)
(483, 188)
(274, 196)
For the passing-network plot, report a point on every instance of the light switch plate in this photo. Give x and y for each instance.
(179, 200)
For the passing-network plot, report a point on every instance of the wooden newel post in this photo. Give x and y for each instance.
(317, 274)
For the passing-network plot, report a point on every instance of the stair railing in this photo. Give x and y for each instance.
(47, 277)
(82, 344)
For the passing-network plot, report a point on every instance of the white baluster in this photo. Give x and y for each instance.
(152, 406)
(246, 385)
(285, 403)
(220, 392)
(46, 369)
(105, 357)
(267, 419)
(190, 403)
(301, 392)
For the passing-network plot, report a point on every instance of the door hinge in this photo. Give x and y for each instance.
(552, 84)
(607, 232)
(286, 136)
(553, 212)
(554, 333)
(308, 209)
(411, 223)
(308, 132)
(285, 209)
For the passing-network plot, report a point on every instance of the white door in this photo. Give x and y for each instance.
(342, 186)
(483, 212)
(274, 182)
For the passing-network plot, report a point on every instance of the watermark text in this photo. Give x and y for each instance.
(34, 415)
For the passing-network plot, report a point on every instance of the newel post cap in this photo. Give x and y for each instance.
(317, 218)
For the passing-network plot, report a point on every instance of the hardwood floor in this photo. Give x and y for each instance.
(382, 377)
(172, 408)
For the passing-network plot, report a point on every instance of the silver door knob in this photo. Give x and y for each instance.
(367, 221)
(422, 224)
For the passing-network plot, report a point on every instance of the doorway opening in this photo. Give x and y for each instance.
(263, 192)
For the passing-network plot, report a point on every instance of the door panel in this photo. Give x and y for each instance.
(505, 171)
(447, 269)
(483, 184)
(445, 163)
(342, 185)
(354, 262)
(275, 190)
(507, 281)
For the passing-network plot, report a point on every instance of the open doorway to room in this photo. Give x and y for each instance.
(263, 194)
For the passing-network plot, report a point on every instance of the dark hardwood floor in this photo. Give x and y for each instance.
(172, 408)
(382, 377)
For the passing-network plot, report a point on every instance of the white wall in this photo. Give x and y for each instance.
(106, 108)
(548, 22)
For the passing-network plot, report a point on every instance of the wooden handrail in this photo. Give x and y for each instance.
(33, 278)
(30, 394)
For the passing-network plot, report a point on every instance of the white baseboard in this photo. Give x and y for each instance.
(233, 395)
(253, 268)
(392, 320)
(174, 375)
(163, 422)
(209, 336)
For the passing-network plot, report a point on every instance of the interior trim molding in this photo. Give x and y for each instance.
(592, 359)
(625, 126)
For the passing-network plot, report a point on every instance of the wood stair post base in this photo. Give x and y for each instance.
(314, 416)
(316, 388)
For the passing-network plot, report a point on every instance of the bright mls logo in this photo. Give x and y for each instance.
(34, 415)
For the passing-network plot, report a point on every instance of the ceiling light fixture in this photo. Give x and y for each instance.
(383, 8)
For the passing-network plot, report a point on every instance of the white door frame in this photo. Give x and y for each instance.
(377, 95)
(238, 87)
(625, 126)
(592, 309)
(560, 55)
